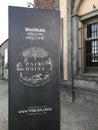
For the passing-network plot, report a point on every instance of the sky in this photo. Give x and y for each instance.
(4, 15)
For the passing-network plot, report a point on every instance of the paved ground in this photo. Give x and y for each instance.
(3, 105)
(78, 116)
(73, 116)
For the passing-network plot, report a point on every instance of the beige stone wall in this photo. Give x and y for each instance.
(63, 9)
(87, 6)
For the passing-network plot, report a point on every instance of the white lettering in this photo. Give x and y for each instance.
(27, 29)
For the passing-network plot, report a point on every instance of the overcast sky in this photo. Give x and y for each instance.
(4, 15)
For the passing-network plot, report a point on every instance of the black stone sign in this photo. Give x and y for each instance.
(34, 62)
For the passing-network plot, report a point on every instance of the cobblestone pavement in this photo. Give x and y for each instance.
(73, 116)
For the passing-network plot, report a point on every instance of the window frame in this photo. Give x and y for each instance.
(86, 64)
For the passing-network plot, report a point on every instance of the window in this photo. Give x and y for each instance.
(2, 66)
(89, 48)
(92, 30)
(6, 58)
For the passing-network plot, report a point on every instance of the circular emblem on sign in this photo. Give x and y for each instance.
(34, 66)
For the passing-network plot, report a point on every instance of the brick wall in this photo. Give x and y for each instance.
(45, 4)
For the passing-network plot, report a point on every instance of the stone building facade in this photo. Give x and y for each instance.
(4, 60)
(80, 78)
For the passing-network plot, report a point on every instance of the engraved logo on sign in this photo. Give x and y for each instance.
(34, 66)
